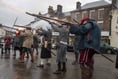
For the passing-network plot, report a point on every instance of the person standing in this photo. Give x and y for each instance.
(16, 42)
(1, 46)
(21, 40)
(45, 54)
(76, 50)
(7, 41)
(35, 43)
(89, 44)
(61, 47)
(27, 44)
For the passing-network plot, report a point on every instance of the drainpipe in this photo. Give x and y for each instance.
(110, 21)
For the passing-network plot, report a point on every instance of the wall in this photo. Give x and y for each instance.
(114, 28)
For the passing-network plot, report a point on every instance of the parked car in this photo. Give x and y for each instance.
(104, 48)
(107, 49)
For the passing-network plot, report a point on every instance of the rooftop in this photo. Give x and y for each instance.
(95, 4)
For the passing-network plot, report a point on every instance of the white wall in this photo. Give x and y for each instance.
(2, 32)
(114, 28)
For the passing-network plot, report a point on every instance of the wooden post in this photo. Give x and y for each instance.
(116, 65)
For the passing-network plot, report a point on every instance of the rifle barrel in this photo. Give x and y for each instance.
(40, 16)
(105, 56)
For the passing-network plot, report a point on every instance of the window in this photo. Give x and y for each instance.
(74, 16)
(100, 14)
(92, 14)
(78, 16)
(84, 14)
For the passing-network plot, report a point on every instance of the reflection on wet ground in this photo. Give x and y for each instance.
(10, 68)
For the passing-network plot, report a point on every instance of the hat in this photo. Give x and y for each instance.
(84, 19)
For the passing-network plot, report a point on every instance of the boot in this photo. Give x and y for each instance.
(32, 57)
(2, 51)
(58, 71)
(14, 53)
(27, 56)
(64, 67)
(22, 58)
(75, 62)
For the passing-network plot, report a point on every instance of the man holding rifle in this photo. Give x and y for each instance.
(90, 34)
(61, 47)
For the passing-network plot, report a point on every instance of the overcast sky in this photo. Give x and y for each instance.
(10, 9)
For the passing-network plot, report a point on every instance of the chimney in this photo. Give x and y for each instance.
(50, 10)
(114, 3)
(78, 5)
(59, 9)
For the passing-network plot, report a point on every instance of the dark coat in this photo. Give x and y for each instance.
(46, 52)
(35, 42)
(92, 29)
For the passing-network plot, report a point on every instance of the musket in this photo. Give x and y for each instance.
(15, 21)
(105, 56)
(53, 53)
(40, 16)
(20, 26)
(6, 28)
(76, 21)
(9, 27)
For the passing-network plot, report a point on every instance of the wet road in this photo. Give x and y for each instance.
(10, 68)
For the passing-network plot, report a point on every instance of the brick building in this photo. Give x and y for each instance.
(98, 10)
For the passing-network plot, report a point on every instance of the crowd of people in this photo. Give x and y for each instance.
(87, 43)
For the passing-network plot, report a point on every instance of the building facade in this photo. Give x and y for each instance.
(2, 32)
(100, 11)
(114, 24)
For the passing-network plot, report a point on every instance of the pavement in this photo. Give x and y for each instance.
(10, 68)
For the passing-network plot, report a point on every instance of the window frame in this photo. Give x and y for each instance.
(84, 12)
(90, 16)
(99, 17)
(78, 16)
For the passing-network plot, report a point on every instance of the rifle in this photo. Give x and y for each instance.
(20, 26)
(40, 16)
(9, 27)
(76, 21)
(104, 56)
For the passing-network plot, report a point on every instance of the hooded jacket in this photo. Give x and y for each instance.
(90, 34)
